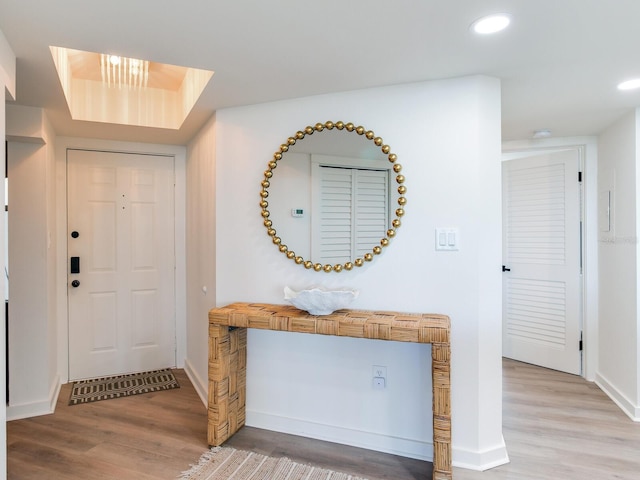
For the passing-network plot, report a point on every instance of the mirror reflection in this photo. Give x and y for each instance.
(336, 197)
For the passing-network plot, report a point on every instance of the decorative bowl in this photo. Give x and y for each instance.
(318, 301)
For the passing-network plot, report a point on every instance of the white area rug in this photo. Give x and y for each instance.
(223, 463)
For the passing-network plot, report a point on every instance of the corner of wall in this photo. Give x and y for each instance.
(37, 408)
(26, 124)
(619, 398)
(481, 461)
(200, 230)
(201, 386)
(618, 371)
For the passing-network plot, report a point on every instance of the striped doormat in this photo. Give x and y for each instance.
(85, 391)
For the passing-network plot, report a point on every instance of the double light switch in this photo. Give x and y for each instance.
(447, 238)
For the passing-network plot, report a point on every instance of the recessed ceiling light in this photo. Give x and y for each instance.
(491, 23)
(629, 84)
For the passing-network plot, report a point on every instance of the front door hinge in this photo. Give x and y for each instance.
(580, 342)
(580, 177)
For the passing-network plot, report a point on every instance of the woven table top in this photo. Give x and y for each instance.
(377, 325)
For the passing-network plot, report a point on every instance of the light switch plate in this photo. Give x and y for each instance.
(447, 239)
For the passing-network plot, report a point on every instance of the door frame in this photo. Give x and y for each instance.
(587, 148)
(179, 154)
(569, 357)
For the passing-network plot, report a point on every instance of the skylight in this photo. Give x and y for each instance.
(115, 89)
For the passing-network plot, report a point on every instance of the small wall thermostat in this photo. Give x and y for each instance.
(297, 212)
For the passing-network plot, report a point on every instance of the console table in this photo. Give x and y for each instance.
(228, 359)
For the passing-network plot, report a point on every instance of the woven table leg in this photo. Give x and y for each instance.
(441, 368)
(227, 382)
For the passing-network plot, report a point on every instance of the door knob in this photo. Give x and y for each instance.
(505, 269)
(75, 283)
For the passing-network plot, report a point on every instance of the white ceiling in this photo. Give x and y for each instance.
(559, 61)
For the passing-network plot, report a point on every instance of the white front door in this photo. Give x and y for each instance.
(542, 260)
(121, 244)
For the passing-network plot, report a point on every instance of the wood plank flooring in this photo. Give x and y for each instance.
(559, 426)
(151, 436)
(556, 426)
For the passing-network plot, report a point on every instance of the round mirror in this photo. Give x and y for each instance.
(337, 199)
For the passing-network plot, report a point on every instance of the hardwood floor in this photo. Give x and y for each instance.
(556, 426)
(559, 426)
(150, 436)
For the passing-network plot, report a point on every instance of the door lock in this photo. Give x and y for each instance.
(75, 265)
(505, 269)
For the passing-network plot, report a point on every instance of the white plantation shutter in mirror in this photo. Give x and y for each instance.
(350, 212)
(371, 209)
(334, 214)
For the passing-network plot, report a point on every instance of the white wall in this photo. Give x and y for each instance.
(201, 246)
(619, 371)
(33, 381)
(447, 137)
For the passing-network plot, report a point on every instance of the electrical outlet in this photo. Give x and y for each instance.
(379, 373)
(379, 383)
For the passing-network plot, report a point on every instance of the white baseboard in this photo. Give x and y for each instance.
(202, 388)
(35, 409)
(619, 398)
(411, 448)
(481, 461)
(345, 436)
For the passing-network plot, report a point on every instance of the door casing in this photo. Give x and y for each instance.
(180, 155)
(587, 148)
(542, 253)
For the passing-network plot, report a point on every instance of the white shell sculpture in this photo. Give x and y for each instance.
(318, 301)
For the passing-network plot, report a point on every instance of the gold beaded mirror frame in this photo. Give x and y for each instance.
(375, 249)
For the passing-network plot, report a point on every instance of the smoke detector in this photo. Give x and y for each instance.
(542, 133)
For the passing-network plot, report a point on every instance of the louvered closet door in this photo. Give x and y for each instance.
(541, 247)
